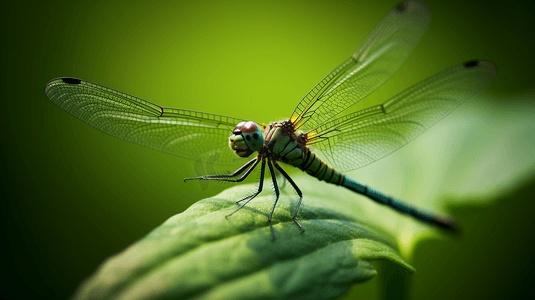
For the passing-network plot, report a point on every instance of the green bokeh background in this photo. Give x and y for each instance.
(73, 196)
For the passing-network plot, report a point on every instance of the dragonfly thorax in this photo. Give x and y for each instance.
(246, 138)
(284, 143)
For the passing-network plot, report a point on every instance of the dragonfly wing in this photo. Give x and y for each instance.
(378, 57)
(355, 140)
(195, 135)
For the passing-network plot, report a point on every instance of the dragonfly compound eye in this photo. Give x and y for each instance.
(246, 138)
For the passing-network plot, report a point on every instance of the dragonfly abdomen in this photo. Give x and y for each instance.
(316, 167)
(442, 221)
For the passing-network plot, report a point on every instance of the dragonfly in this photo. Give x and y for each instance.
(314, 129)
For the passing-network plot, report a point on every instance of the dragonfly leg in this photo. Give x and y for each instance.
(260, 186)
(253, 162)
(296, 189)
(277, 193)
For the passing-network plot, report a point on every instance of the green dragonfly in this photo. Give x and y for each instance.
(347, 142)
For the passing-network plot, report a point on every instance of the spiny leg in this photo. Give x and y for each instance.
(260, 186)
(254, 194)
(253, 162)
(277, 193)
(296, 189)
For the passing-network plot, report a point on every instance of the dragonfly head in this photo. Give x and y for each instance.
(246, 138)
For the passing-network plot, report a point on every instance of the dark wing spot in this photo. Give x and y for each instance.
(248, 137)
(255, 136)
(71, 80)
(401, 7)
(470, 64)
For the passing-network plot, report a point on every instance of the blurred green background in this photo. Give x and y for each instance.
(73, 196)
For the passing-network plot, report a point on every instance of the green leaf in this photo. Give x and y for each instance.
(202, 254)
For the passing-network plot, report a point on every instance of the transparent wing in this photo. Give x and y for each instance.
(378, 57)
(360, 138)
(195, 135)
